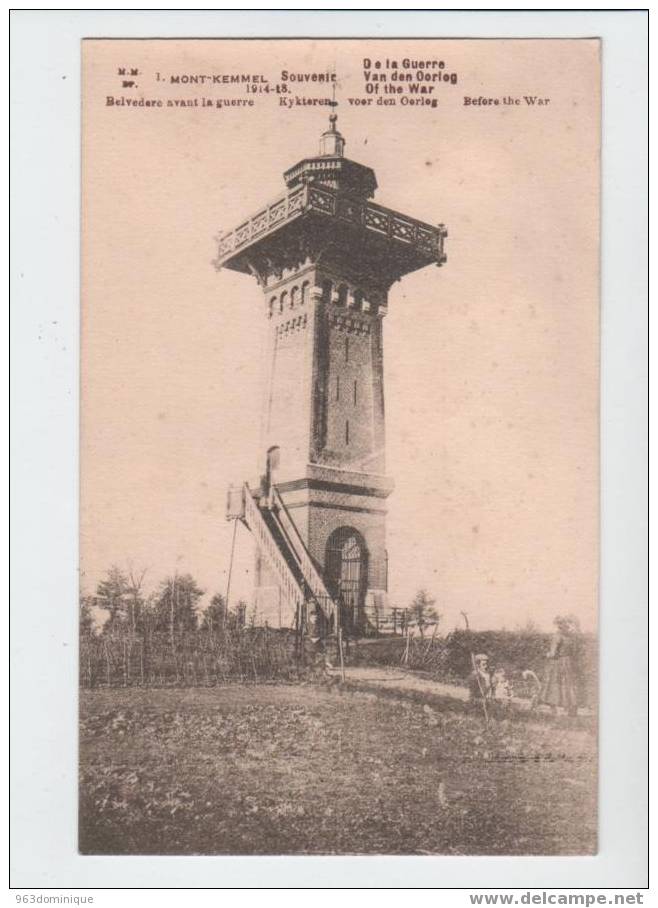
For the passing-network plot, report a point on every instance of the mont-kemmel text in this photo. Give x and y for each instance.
(412, 82)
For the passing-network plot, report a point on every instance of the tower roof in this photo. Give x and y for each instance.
(326, 211)
(331, 168)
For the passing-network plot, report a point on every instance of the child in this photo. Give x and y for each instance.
(501, 688)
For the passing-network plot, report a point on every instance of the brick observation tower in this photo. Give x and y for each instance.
(325, 257)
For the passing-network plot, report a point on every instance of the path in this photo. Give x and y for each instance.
(397, 679)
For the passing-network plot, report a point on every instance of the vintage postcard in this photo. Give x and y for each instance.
(339, 447)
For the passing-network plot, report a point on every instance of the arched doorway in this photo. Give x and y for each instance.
(347, 575)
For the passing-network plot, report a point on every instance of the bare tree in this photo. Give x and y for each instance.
(136, 602)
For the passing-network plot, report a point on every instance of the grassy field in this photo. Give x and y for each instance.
(285, 769)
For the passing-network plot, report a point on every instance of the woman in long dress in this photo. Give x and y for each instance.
(560, 683)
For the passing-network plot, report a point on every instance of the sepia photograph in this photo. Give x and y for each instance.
(339, 447)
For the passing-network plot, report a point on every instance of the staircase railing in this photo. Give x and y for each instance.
(269, 548)
(312, 576)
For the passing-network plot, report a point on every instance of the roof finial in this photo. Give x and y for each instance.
(333, 116)
(331, 142)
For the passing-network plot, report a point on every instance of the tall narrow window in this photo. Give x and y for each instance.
(338, 387)
(354, 392)
(347, 349)
(347, 431)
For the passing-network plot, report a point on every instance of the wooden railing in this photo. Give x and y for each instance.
(313, 588)
(425, 238)
(311, 575)
(290, 588)
(263, 221)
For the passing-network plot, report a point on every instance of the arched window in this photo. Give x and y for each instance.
(342, 295)
(294, 297)
(305, 287)
(272, 306)
(284, 301)
(326, 291)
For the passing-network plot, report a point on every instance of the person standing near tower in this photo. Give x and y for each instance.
(560, 687)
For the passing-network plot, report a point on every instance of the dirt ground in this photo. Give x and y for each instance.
(305, 769)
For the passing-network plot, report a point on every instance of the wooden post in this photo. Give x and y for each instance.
(280, 611)
(430, 642)
(405, 657)
(230, 572)
(340, 651)
(482, 693)
(297, 634)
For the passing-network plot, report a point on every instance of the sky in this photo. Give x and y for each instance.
(491, 362)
